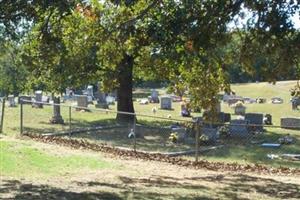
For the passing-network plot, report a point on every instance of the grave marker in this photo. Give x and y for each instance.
(239, 128)
(166, 103)
(290, 122)
(255, 119)
(11, 101)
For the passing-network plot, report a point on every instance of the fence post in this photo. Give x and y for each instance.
(70, 121)
(2, 115)
(21, 116)
(134, 131)
(197, 141)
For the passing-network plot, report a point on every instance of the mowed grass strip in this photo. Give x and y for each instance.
(20, 159)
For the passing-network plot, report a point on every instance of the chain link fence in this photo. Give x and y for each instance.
(240, 141)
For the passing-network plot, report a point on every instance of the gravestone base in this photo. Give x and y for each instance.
(57, 120)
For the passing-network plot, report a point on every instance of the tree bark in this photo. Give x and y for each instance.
(124, 91)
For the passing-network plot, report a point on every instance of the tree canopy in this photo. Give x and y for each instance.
(186, 42)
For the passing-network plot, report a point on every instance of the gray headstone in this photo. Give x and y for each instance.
(211, 133)
(239, 128)
(255, 119)
(166, 102)
(290, 122)
(249, 100)
(154, 97)
(82, 101)
(56, 118)
(240, 110)
(11, 101)
(25, 99)
(38, 98)
(295, 103)
(224, 117)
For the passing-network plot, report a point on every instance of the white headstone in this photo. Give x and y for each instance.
(90, 90)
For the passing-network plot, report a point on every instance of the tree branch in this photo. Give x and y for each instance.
(132, 21)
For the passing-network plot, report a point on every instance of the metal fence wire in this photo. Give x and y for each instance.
(191, 138)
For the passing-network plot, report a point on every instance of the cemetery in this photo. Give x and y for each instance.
(160, 99)
(155, 134)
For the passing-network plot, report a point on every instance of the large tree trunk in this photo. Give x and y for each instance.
(124, 91)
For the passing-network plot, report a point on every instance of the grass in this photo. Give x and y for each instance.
(37, 120)
(21, 157)
(32, 170)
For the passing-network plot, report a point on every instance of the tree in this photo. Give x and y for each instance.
(179, 40)
(12, 71)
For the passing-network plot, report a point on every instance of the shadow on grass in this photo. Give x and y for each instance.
(236, 186)
(20, 191)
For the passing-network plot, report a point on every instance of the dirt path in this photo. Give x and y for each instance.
(145, 180)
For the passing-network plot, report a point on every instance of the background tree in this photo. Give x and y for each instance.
(12, 71)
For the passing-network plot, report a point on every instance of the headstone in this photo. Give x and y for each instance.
(290, 122)
(110, 100)
(255, 121)
(101, 100)
(226, 96)
(56, 118)
(240, 110)
(224, 117)
(82, 102)
(249, 100)
(234, 99)
(181, 132)
(268, 119)
(69, 92)
(38, 98)
(295, 103)
(154, 97)
(277, 100)
(11, 101)
(166, 102)
(211, 133)
(25, 99)
(45, 99)
(239, 128)
(90, 91)
(185, 110)
(261, 100)
(144, 101)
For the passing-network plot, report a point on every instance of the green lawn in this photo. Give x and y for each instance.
(32, 170)
(37, 120)
(18, 158)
